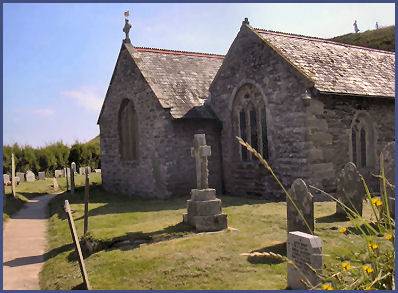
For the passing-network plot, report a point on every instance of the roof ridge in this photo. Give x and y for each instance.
(298, 36)
(178, 52)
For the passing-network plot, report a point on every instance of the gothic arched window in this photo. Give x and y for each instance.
(362, 141)
(249, 120)
(127, 131)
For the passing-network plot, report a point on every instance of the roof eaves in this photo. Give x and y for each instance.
(355, 95)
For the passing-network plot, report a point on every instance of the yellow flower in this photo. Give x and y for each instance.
(327, 286)
(373, 246)
(367, 269)
(346, 266)
(388, 236)
(376, 201)
(343, 230)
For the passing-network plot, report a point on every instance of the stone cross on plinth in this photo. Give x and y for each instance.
(200, 152)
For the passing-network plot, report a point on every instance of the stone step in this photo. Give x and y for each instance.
(203, 194)
(210, 223)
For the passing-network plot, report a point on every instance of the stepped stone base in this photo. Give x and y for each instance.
(204, 211)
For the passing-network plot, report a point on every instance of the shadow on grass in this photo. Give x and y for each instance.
(332, 218)
(279, 248)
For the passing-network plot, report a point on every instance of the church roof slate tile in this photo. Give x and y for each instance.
(180, 79)
(334, 67)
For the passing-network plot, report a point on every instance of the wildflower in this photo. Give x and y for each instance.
(376, 201)
(373, 246)
(327, 286)
(343, 230)
(388, 236)
(346, 266)
(367, 269)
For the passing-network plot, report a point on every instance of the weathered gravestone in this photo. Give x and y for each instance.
(82, 170)
(59, 173)
(86, 195)
(72, 177)
(6, 179)
(30, 176)
(304, 252)
(13, 182)
(55, 184)
(67, 178)
(42, 175)
(387, 158)
(21, 176)
(204, 209)
(350, 191)
(77, 245)
(300, 212)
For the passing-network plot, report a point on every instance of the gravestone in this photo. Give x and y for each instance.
(86, 196)
(6, 179)
(13, 182)
(72, 177)
(17, 180)
(97, 170)
(204, 209)
(77, 245)
(304, 252)
(300, 215)
(388, 158)
(59, 173)
(30, 176)
(21, 176)
(350, 190)
(82, 170)
(42, 175)
(67, 177)
(55, 184)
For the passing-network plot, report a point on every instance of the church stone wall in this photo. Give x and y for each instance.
(329, 129)
(249, 60)
(147, 175)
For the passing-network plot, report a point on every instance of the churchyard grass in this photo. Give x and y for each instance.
(172, 256)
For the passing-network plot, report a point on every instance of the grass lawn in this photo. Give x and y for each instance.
(24, 191)
(172, 256)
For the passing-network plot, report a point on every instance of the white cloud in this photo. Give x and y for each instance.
(43, 112)
(86, 97)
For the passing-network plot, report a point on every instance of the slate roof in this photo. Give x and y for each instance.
(179, 79)
(334, 67)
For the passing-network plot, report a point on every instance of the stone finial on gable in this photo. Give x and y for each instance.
(246, 21)
(126, 28)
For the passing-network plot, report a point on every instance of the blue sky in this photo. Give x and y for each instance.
(58, 58)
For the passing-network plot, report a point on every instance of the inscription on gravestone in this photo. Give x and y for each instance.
(304, 252)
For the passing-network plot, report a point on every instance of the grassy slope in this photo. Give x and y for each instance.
(383, 39)
(24, 191)
(180, 259)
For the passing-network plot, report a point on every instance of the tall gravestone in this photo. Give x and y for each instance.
(13, 182)
(387, 157)
(350, 190)
(300, 214)
(72, 177)
(304, 252)
(30, 176)
(204, 209)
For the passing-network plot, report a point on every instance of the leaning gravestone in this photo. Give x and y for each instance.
(387, 157)
(42, 175)
(300, 215)
(204, 209)
(30, 176)
(350, 190)
(21, 176)
(304, 252)
(77, 245)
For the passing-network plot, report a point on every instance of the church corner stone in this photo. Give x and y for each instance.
(204, 208)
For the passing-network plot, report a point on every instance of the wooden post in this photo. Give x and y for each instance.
(77, 245)
(86, 195)
(13, 174)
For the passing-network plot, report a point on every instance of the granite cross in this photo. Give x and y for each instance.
(200, 152)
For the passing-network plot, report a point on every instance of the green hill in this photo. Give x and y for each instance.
(382, 39)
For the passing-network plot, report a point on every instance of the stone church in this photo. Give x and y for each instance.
(308, 105)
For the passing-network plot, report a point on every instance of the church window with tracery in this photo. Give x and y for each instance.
(362, 141)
